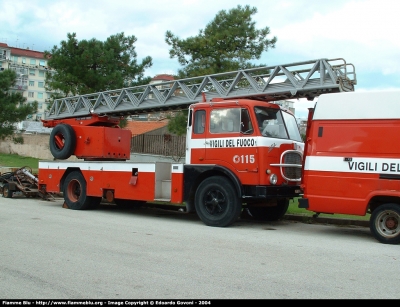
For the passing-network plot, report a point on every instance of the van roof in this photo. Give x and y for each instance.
(358, 105)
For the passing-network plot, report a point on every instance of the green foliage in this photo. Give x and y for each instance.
(13, 105)
(227, 43)
(14, 160)
(19, 139)
(177, 123)
(90, 66)
(294, 209)
(123, 123)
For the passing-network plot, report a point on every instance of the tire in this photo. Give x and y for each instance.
(385, 223)
(127, 203)
(7, 193)
(217, 203)
(62, 141)
(74, 192)
(272, 213)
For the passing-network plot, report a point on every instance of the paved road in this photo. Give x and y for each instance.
(48, 252)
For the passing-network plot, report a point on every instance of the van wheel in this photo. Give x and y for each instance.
(74, 191)
(385, 223)
(271, 213)
(217, 203)
(62, 141)
(7, 193)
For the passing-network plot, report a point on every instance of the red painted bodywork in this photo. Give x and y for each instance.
(349, 192)
(99, 138)
(103, 142)
(119, 182)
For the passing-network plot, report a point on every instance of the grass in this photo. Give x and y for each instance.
(294, 209)
(14, 160)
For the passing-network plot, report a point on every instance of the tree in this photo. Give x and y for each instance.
(177, 123)
(89, 66)
(228, 43)
(12, 105)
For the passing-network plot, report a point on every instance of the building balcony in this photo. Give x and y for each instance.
(20, 87)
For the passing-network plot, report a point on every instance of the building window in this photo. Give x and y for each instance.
(32, 72)
(40, 84)
(23, 61)
(31, 94)
(21, 71)
(40, 105)
(40, 95)
(42, 63)
(41, 73)
(33, 62)
(14, 59)
(31, 83)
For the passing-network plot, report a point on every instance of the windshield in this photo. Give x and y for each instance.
(277, 124)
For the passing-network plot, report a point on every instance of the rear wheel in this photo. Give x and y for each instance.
(75, 193)
(270, 213)
(385, 223)
(217, 203)
(7, 193)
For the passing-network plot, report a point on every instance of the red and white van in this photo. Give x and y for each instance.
(352, 159)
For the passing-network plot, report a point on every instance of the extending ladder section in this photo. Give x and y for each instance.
(296, 80)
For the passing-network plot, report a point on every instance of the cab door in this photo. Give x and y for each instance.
(230, 140)
(196, 137)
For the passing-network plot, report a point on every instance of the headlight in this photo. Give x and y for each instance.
(273, 179)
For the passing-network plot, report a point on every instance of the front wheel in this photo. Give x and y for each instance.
(268, 213)
(217, 203)
(74, 191)
(384, 223)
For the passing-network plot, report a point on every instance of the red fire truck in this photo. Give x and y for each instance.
(351, 159)
(243, 150)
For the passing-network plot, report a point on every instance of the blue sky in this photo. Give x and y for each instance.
(363, 32)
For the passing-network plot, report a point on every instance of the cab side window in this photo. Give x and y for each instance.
(225, 120)
(245, 123)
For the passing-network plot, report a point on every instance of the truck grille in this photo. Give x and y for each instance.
(291, 165)
(293, 169)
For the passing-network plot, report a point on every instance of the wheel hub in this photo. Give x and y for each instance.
(391, 223)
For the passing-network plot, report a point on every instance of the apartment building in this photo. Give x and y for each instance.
(30, 67)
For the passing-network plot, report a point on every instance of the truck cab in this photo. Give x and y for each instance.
(254, 144)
